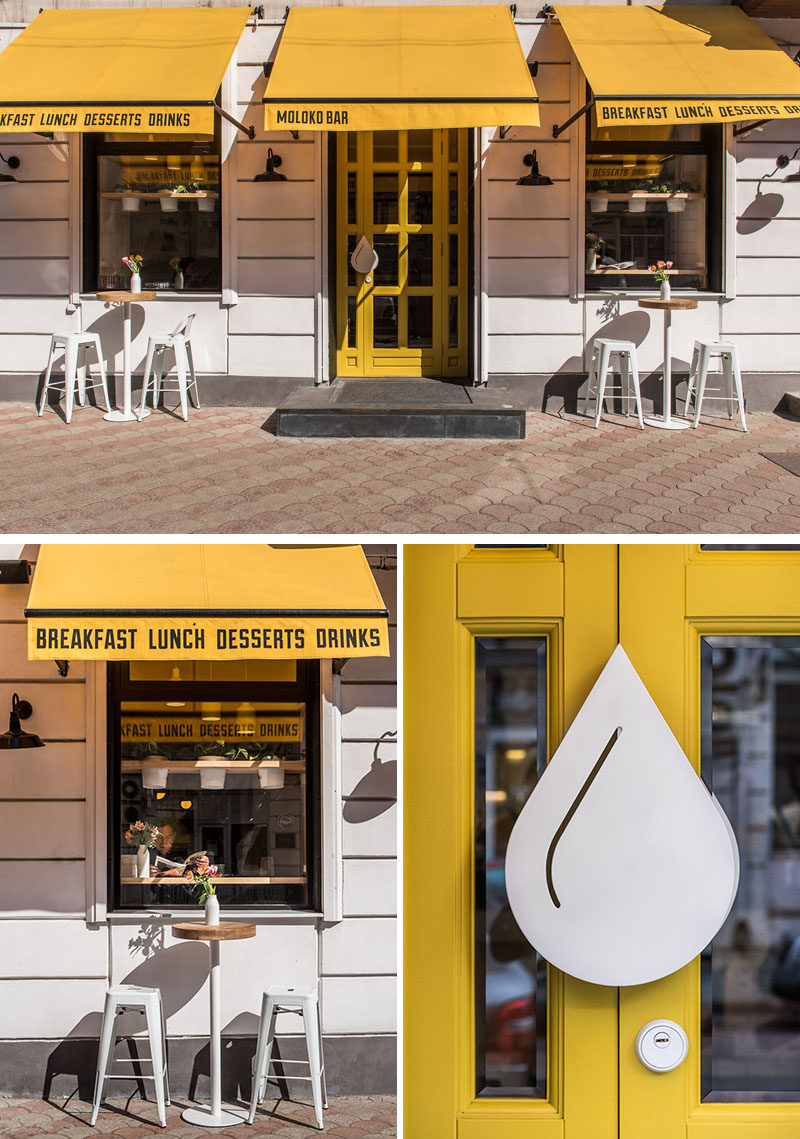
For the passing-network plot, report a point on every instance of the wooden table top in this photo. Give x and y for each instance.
(674, 302)
(225, 931)
(117, 296)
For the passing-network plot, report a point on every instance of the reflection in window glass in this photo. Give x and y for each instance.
(646, 205)
(165, 208)
(510, 754)
(751, 971)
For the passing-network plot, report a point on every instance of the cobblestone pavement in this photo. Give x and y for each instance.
(348, 1117)
(221, 473)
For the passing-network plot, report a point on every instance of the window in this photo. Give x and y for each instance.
(653, 199)
(159, 199)
(750, 979)
(223, 758)
(510, 755)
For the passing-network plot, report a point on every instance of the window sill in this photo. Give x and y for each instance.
(183, 294)
(635, 294)
(259, 917)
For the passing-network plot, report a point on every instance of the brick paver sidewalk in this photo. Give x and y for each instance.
(220, 473)
(348, 1117)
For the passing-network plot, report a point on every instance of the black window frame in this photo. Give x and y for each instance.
(96, 146)
(306, 688)
(711, 144)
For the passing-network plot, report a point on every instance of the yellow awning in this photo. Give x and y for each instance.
(399, 69)
(193, 602)
(130, 71)
(649, 66)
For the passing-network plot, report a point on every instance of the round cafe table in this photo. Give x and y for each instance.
(217, 1114)
(668, 421)
(126, 298)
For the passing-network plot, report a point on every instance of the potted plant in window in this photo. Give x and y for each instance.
(169, 202)
(143, 836)
(637, 202)
(594, 246)
(130, 202)
(598, 201)
(152, 777)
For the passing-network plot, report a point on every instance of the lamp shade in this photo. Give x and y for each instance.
(15, 737)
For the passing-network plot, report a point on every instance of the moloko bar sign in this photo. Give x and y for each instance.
(209, 638)
(255, 728)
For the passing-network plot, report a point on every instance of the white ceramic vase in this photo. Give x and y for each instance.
(206, 205)
(136, 283)
(591, 260)
(130, 204)
(179, 279)
(212, 910)
(666, 291)
(598, 204)
(142, 862)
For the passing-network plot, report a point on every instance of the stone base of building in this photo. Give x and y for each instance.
(354, 1065)
(764, 391)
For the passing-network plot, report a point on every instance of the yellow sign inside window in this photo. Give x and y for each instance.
(254, 728)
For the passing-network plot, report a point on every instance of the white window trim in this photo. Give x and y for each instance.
(729, 213)
(482, 142)
(74, 220)
(322, 298)
(229, 171)
(331, 791)
(96, 793)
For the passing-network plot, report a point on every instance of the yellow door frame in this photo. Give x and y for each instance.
(454, 594)
(658, 601)
(448, 353)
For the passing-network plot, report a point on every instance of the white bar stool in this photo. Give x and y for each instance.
(731, 391)
(74, 345)
(304, 1001)
(602, 351)
(127, 998)
(157, 346)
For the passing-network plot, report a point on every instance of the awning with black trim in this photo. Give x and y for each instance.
(125, 70)
(399, 68)
(650, 66)
(204, 602)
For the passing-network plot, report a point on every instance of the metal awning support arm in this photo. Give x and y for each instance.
(249, 131)
(578, 115)
(737, 131)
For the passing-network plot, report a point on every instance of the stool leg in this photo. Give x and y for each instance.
(181, 366)
(148, 364)
(737, 380)
(311, 1026)
(702, 373)
(158, 373)
(166, 1053)
(193, 385)
(266, 1033)
(692, 379)
(602, 377)
(50, 357)
(322, 1055)
(104, 1049)
(70, 376)
(102, 366)
(591, 379)
(82, 367)
(637, 389)
(728, 382)
(154, 1024)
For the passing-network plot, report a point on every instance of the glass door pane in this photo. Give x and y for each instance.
(751, 971)
(510, 977)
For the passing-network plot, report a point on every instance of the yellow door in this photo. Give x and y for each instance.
(502, 646)
(406, 193)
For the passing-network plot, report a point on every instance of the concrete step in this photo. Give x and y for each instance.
(401, 408)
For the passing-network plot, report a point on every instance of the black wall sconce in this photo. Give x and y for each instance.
(15, 737)
(13, 163)
(270, 174)
(534, 178)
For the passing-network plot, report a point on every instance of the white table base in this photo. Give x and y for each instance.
(217, 1114)
(667, 421)
(126, 415)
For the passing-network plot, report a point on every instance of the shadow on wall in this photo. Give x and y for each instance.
(375, 792)
(179, 972)
(566, 383)
(760, 212)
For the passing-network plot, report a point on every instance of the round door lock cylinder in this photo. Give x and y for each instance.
(662, 1045)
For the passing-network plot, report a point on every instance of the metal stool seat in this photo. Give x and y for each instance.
(731, 392)
(180, 343)
(303, 1001)
(133, 998)
(603, 349)
(75, 346)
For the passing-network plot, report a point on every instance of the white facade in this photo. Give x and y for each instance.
(531, 317)
(59, 948)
